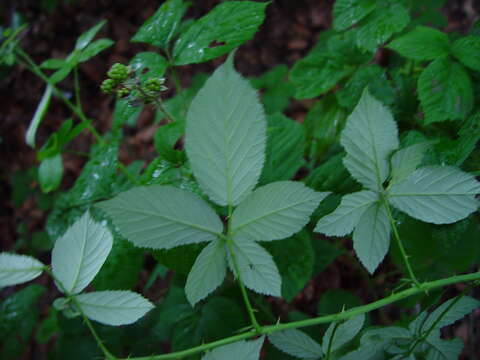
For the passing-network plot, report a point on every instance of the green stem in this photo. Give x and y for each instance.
(345, 315)
(396, 235)
(77, 90)
(37, 71)
(229, 239)
(73, 299)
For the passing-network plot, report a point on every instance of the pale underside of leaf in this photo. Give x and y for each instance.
(275, 211)
(257, 269)
(343, 333)
(444, 349)
(17, 269)
(80, 253)
(439, 195)
(163, 217)
(207, 273)
(347, 215)
(114, 307)
(370, 135)
(245, 350)
(296, 343)
(226, 136)
(371, 237)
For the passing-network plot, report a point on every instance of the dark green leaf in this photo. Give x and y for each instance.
(162, 26)
(53, 64)
(277, 91)
(422, 43)
(333, 301)
(224, 28)
(285, 148)
(125, 113)
(466, 50)
(85, 39)
(149, 64)
(94, 48)
(349, 12)
(445, 91)
(165, 139)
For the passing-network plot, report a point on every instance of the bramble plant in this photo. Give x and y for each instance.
(218, 205)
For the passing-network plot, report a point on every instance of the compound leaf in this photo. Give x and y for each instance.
(256, 267)
(162, 26)
(17, 269)
(225, 136)
(347, 215)
(405, 161)
(162, 217)
(296, 343)
(245, 350)
(440, 195)
(370, 135)
(114, 307)
(466, 50)
(422, 43)
(224, 28)
(80, 253)
(371, 237)
(275, 211)
(445, 91)
(207, 272)
(338, 335)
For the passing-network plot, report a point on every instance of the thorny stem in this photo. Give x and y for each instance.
(345, 315)
(251, 314)
(396, 235)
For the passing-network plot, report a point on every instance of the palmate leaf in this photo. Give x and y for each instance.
(162, 26)
(229, 25)
(80, 253)
(275, 211)
(114, 307)
(296, 343)
(162, 217)
(338, 335)
(256, 266)
(347, 215)
(17, 269)
(422, 43)
(245, 350)
(207, 272)
(439, 195)
(371, 237)
(225, 136)
(370, 135)
(445, 91)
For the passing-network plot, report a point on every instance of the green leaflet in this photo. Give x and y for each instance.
(159, 29)
(50, 173)
(296, 343)
(224, 28)
(440, 195)
(275, 211)
(344, 219)
(95, 48)
(466, 50)
(422, 43)
(114, 307)
(245, 350)
(86, 38)
(149, 64)
(208, 272)
(80, 253)
(38, 116)
(285, 148)
(444, 349)
(338, 335)
(225, 136)
(349, 12)
(371, 237)
(445, 91)
(256, 266)
(17, 269)
(370, 135)
(149, 217)
(405, 161)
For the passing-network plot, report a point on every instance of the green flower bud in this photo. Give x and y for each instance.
(119, 72)
(154, 85)
(108, 86)
(123, 92)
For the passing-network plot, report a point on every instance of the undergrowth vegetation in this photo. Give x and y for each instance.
(243, 205)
